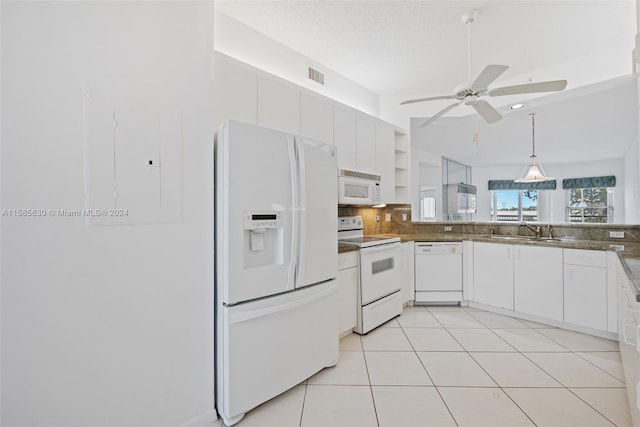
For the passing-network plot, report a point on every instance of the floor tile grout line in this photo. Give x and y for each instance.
(304, 400)
(373, 399)
(502, 388)
(590, 362)
(591, 406)
(429, 375)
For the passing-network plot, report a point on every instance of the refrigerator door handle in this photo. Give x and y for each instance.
(266, 311)
(295, 226)
(301, 209)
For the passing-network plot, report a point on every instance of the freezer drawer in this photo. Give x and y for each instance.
(267, 346)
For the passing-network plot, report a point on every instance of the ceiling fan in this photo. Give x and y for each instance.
(470, 93)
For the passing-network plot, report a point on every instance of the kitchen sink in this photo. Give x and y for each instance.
(525, 238)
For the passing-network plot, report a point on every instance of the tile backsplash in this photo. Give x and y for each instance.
(396, 225)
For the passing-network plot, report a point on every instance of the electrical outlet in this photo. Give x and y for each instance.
(404, 217)
(448, 228)
(377, 217)
(387, 217)
(618, 247)
(616, 234)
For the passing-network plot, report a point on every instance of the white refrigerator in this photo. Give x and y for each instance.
(276, 264)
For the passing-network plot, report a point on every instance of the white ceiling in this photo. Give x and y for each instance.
(421, 47)
(408, 49)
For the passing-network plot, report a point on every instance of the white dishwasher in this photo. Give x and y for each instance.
(438, 272)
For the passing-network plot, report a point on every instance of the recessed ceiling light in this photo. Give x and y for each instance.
(516, 106)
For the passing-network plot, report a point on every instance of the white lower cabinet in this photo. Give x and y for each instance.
(585, 288)
(493, 274)
(537, 284)
(347, 292)
(407, 272)
(628, 314)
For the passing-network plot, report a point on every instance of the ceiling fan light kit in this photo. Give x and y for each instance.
(534, 171)
(470, 94)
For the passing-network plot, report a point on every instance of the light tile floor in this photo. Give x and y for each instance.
(448, 366)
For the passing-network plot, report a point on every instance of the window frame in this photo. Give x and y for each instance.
(609, 207)
(521, 211)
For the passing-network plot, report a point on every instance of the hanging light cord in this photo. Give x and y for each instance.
(469, 46)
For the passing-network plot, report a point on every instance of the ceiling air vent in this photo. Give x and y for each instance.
(316, 76)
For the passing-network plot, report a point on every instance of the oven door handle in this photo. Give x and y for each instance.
(380, 248)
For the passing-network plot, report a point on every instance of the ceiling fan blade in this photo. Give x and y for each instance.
(488, 113)
(433, 98)
(439, 114)
(551, 86)
(487, 76)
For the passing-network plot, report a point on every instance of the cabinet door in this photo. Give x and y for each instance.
(316, 118)
(538, 281)
(406, 268)
(344, 137)
(278, 105)
(385, 160)
(236, 89)
(347, 299)
(493, 274)
(366, 144)
(585, 296)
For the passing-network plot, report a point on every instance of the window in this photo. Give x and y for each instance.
(589, 199)
(514, 205)
(590, 204)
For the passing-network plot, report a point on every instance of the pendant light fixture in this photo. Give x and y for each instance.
(533, 172)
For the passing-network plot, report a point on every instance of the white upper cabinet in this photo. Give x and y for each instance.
(366, 144)
(385, 164)
(236, 87)
(316, 118)
(344, 137)
(278, 105)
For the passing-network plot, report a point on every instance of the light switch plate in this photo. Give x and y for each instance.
(404, 217)
(387, 217)
(616, 234)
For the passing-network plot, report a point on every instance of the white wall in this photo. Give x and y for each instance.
(552, 209)
(248, 45)
(632, 190)
(104, 325)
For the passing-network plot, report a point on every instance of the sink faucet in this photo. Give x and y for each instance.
(537, 230)
(550, 231)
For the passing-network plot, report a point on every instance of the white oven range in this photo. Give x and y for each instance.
(379, 296)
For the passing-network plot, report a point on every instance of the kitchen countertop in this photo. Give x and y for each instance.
(342, 248)
(631, 266)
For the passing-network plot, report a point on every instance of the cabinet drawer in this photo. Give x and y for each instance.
(347, 260)
(589, 258)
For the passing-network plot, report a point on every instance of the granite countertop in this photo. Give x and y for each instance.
(342, 248)
(631, 265)
(632, 249)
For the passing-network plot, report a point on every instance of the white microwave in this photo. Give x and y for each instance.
(358, 188)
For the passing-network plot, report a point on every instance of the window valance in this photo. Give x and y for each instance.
(509, 184)
(594, 181)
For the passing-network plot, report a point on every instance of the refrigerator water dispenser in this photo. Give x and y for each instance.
(263, 239)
